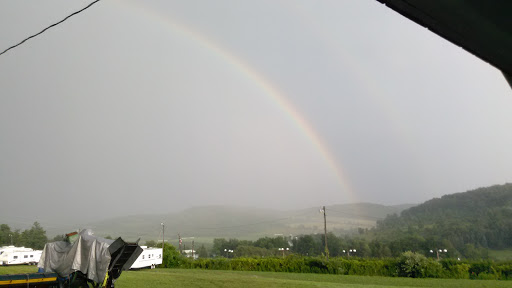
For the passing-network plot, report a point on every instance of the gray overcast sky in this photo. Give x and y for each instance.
(155, 106)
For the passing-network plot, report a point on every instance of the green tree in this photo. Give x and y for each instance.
(16, 238)
(151, 243)
(334, 244)
(271, 243)
(219, 244)
(251, 251)
(35, 237)
(308, 245)
(172, 257)
(202, 252)
(5, 235)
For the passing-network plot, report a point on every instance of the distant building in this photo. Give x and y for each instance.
(189, 253)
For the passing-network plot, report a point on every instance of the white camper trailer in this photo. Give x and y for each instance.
(11, 255)
(149, 258)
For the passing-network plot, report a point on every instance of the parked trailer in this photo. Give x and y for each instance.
(11, 255)
(149, 258)
(83, 261)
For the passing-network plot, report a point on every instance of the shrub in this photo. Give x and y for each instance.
(505, 271)
(455, 269)
(478, 267)
(416, 265)
(318, 265)
(171, 257)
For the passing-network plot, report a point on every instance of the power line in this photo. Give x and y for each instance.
(55, 24)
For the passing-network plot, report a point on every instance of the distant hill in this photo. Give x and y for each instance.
(206, 223)
(461, 221)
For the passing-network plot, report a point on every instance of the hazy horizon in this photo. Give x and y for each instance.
(138, 107)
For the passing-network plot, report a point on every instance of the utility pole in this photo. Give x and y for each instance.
(163, 237)
(192, 249)
(179, 239)
(325, 234)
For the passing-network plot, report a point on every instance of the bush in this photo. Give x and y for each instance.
(317, 265)
(478, 267)
(172, 258)
(455, 269)
(505, 271)
(416, 265)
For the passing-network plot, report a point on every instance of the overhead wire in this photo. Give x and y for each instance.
(53, 25)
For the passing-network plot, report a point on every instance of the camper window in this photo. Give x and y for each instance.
(15, 257)
(25, 256)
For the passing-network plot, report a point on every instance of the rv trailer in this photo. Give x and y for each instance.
(11, 255)
(149, 258)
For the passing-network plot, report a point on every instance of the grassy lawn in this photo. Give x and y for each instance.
(207, 278)
(17, 269)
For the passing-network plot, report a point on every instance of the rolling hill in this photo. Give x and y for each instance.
(463, 222)
(206, 223)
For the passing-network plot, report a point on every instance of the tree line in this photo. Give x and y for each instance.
(340, 246)
(35, 237)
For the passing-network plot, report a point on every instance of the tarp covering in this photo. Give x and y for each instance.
(88, 254)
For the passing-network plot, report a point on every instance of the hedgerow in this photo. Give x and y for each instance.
(408, 265)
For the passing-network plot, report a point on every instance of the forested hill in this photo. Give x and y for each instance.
(481, 217)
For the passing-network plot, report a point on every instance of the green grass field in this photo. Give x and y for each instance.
(17, 269)
(207, 278)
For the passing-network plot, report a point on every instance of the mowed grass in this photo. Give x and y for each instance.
(214, 278)
(17, 269)
(211, 278)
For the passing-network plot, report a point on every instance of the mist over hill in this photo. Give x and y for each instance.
(210, 222)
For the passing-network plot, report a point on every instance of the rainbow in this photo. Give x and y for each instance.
(259, 80)
(397, 124)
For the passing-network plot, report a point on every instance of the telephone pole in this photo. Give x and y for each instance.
(163, 237)
(179, 238)
(325, 234)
